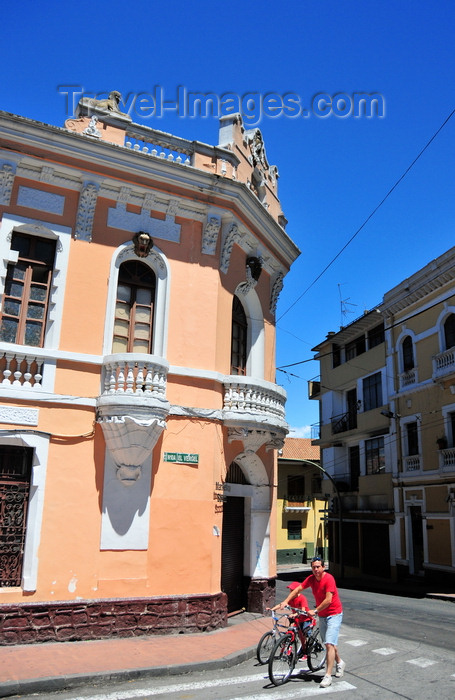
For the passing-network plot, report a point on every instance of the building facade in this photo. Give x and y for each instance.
(139, 414)
(301, 503)
(386, 432)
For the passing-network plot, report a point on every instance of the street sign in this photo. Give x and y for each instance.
(181, 458)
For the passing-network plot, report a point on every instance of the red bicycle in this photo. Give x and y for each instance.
(303, 638)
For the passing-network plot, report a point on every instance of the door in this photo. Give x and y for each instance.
(15, 472)
(416, 565)
(232, 579)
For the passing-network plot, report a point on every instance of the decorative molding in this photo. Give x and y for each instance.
(130, 441)
(7, 173)
(86, 212)
(255, 142)
(210, 234)
(32, 198)
(47, 175)
(19, 416)
(253, 440)
(120, 218)
(152, 257)
(91, 130)
(233, 236)
(276, 289)
(253, 272)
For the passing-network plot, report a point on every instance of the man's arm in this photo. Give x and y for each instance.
(322, 606)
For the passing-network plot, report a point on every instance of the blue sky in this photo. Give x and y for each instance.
(334, 171)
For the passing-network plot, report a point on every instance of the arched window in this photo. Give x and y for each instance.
(449, 331)
(134, 308)
(238, 338)
(408, 354)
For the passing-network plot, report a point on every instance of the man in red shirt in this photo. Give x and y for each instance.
(330, 611)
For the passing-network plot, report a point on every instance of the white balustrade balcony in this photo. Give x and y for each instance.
(25, 369)
(444, 364)
(447, 459)
(134, 383)
(20, 370)
(253, 401)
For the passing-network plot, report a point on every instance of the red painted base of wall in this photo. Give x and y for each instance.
(69, 621)
(261, 594)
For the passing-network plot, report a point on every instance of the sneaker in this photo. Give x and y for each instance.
(339, 673)
(326, 681)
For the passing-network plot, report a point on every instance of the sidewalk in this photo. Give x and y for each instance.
(33, 668)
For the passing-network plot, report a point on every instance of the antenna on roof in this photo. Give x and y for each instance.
(344, 303)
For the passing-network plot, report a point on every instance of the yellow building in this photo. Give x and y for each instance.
(139, 415)
(301, 503)
(420, 323)
(387, 431)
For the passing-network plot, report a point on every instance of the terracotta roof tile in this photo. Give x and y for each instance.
(299, 448)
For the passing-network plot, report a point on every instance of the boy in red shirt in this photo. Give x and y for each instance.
(330, 611)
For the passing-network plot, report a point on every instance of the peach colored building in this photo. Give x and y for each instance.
(139, 415)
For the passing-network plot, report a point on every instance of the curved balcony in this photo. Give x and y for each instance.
(132, 409)
(134, 382)
(444, 364)
(254, 411)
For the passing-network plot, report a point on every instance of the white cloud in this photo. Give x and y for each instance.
(303, 432)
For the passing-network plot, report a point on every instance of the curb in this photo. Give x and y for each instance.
(54, 684)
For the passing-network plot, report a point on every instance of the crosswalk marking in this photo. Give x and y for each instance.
(176, 688)
(356, 642)
(299, 692)
(384, 651)
(421, 662)
(295, 691)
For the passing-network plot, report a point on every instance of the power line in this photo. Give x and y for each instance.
(369, 216)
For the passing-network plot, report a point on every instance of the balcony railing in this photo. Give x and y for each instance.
(21, 370)
(257, 398)
(134, 374)
(297, 504)
(408, 378)
(344, 421)
(444, 363)
(448, 458)
(160, 144)
(412, 463)
(315, 433)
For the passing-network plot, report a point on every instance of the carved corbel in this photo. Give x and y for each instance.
(130, 442)
(210, 234)
(252, 440)
(86, 211)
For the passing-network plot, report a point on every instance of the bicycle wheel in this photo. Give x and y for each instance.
(282, 659)
(265, 646)
(316, 651)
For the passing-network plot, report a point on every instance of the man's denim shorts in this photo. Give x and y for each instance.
(330, 628)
